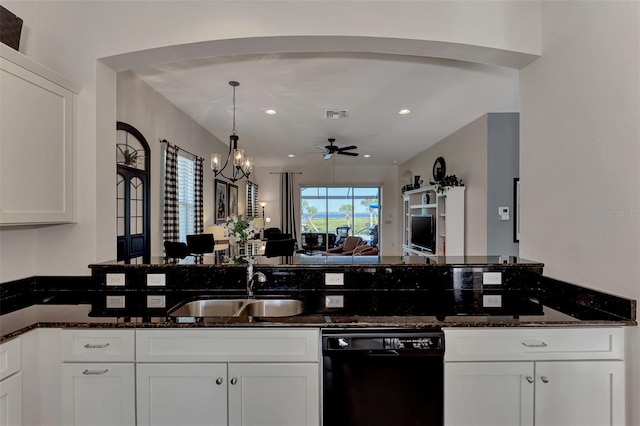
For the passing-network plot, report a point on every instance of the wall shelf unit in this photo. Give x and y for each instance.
(447, 209)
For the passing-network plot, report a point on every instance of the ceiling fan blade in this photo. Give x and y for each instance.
(346, 148)
(353, 154)
(324, 148)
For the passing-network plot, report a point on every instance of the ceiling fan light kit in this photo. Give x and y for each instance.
(333, 149)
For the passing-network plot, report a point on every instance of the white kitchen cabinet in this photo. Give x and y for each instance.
(41, 377)
(182, 394)
(264, 394)
(36, 142)
(489, 393)
(239, 377)
(259, 394)
(98, 394)
(579, 393)
(10, 383)
(98, 377)
(11, 401)
(540, 377)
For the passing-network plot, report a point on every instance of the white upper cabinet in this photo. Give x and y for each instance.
(36, 142)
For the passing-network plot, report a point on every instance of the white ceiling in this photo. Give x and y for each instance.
(443, 96)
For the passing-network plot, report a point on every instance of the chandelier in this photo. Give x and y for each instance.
(242, 166)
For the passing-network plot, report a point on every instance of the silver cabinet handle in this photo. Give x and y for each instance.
(94, 372)
(219, 381)
(530, 379)
(234, 380)
(544, 379)
(535, 344)
(90, 346)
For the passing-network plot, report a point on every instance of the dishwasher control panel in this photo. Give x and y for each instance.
(375, 341)
(412, 343)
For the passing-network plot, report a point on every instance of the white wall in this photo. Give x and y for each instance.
(465, 154)
(384, 177)
(157, 119)
(580, 153)
(70, 37)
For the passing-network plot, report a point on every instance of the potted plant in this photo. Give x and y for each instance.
(130, 157)
(240, 231)
(447, 181)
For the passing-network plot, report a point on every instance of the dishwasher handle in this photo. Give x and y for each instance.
(383, 352)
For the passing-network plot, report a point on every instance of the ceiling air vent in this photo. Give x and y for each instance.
(335, 115)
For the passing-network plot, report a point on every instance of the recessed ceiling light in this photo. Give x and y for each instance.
(404, 111)
(270, 111)
(367, 155)
(291, 155)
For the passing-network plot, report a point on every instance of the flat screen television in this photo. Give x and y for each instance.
(423, 233)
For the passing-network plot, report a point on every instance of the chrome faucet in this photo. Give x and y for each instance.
(251, 279)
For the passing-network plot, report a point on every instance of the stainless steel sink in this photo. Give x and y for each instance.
(238, 308)
(273, 308)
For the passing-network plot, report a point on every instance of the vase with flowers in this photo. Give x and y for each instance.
(240, 231)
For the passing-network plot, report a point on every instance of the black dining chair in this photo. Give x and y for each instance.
(174, 249)
(275, 248)
(200, 243)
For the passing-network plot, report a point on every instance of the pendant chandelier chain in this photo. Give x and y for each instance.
(234, 131)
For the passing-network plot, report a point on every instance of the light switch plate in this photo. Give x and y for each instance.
(115, 280)
(156, 280)
(492, 301)
(492, 278)
(114, 302)
(332, 278)
(334, 301)
(156, 301)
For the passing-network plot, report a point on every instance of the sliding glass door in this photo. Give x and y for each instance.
(331, 213)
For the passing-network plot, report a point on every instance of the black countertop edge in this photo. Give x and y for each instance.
(324, 322)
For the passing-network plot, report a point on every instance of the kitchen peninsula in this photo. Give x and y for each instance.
(112, 338)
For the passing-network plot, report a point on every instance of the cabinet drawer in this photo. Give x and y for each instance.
(533, 344)
(98, 345)
(228, 345)
(10, 355)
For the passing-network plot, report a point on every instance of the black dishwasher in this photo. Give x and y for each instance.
(383, 377)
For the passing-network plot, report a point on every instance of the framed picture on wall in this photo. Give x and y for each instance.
(233, 199)
(220, 205)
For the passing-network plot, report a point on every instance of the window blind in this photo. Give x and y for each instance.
(186, 195)
(252, 200)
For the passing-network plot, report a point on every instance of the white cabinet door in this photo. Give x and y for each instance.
(579, 393)
(99, 394)
(11, 401)
(488, 393)
(274, 394)
(182, 394)
(36, 143)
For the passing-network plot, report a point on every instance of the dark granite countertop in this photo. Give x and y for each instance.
(385, 294)
(77, 316)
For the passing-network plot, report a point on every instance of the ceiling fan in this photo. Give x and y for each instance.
(331, 149)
